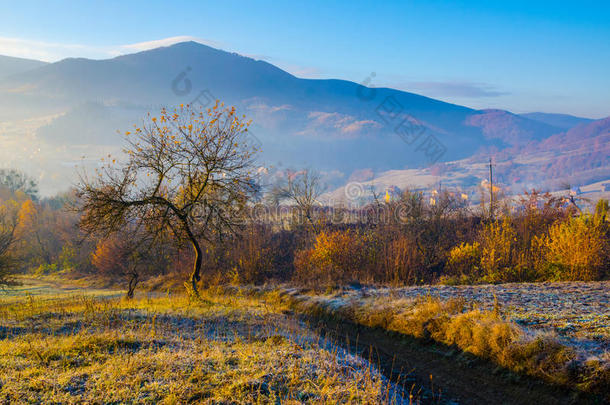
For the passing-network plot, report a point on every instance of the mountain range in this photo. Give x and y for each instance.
(54, 116)
(10, 65)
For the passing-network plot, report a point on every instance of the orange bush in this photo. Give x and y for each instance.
(576, 249)
(337, 256)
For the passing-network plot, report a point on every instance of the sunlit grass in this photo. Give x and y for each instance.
(221, 349)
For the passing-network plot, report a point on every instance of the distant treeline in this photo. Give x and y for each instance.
(410, 239)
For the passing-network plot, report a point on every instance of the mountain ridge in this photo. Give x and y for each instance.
(335, 125)
(10, 65)
(563, 121)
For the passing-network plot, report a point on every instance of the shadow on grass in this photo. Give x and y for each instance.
(449, 374)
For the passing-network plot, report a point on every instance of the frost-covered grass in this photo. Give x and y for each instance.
(578, 313)
(585, 305)
(223, 349)
(468, 326)
(238, 345)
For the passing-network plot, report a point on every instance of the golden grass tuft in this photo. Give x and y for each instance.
(485, 334)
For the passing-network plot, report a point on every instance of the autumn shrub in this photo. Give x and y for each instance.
(256, 255)
(400, 261)
(534, 214)
(337, 257)
(8, 223)
(45, 269)
(251, 257)
(47, 237)
(498, 241)
(259, 254)
(575, 249)
(464, 261)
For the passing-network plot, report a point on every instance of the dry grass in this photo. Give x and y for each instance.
(238, 346)
(91, 349)
(484, 333)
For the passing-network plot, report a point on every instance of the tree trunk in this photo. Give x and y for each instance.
(133, 282)
(196, 274)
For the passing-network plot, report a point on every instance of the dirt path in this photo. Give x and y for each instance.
(448, 377)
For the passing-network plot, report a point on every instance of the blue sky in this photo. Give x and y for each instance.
(518, 55)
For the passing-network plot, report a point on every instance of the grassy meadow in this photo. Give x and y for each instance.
(58, 345)
(242, 345)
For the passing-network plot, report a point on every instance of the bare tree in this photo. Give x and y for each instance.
(125, 255)
(188, 172)
(15, 180)
(8, 225)
(303, 189)
(573, 198)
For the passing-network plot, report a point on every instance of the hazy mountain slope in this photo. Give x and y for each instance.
(147, 76)
(92, 122)
(335, 126)
(563, 121)
(580, 155)
(11, 66)
(511, 128)
(576, 157)
(331, 124)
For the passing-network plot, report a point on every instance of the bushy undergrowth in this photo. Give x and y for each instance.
(402, 241)
(540, 239)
